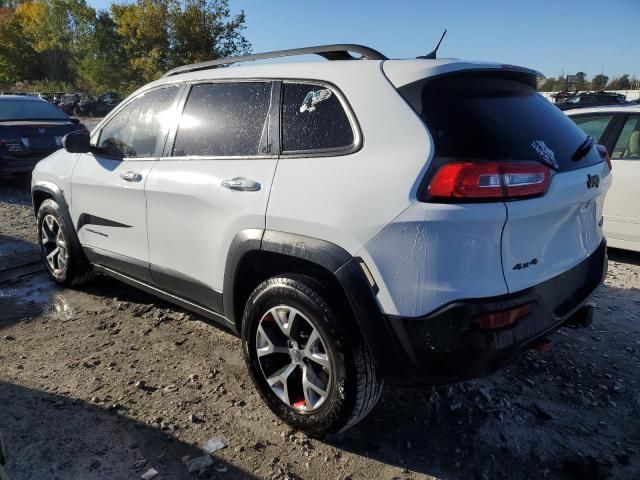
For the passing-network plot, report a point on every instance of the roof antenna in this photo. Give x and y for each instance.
(432, 55)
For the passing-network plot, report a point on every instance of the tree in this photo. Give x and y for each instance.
(143, 27)
(103, 66)
(620, 83)
(205, 30)
(599, 82)
(581, 83)
(66, 42)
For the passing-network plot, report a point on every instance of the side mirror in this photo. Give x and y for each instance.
(76, 142)
(75, 121)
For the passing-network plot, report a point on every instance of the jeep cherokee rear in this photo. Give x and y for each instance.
(412, 221)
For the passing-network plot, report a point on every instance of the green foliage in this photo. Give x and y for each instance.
(599, 82)
(66, 41)
(620, 83)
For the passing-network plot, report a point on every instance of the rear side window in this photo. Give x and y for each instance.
(313, 119)
(593, 125)
(491, 116)
(141, 127)
(223, 119)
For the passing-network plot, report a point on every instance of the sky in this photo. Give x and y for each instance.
(554, 37)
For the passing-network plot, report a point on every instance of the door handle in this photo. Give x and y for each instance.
(241, 184)
(131, 176)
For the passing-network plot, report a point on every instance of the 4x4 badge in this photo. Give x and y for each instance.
(545, 153)
(593, 181)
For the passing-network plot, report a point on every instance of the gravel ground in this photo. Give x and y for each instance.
(106, 382)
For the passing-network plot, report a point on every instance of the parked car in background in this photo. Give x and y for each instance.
(618, 129)
(591, 99)
(85, 106)
(355, 221)
(57, 96)
(105, 103)
(30, 129)
(68, 102)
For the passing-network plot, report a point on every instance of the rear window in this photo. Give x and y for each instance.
(485, 116)
(30, 110)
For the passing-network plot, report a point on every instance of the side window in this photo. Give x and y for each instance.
(140, 128)
(313, 119)
(593, 125)
(628, 144)
(223, 119)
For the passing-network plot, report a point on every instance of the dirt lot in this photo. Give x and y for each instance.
(107, 382)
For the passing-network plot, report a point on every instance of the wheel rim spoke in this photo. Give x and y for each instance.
(312, 350)
(293, 358)
(278, 382)
(54, 244)
(266, 346)
(313, 392)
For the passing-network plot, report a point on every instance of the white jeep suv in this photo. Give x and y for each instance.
(355, 221)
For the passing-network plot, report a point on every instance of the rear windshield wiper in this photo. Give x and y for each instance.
(584, 148)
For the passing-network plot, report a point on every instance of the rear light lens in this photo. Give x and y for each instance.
(501, 319)
(489, 180)
(602, 150)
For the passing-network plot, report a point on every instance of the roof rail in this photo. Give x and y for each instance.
(339, 51)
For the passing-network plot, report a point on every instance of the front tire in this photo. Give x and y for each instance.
(62, 258)
(310, 371)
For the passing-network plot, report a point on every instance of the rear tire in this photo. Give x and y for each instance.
(331, 379)
(62, 257)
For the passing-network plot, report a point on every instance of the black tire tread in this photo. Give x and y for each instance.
(369, 383)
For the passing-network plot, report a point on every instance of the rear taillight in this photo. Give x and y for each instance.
(602, 150)
(489, 180)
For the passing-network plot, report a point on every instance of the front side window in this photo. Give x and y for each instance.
(593, 125)
(140, 129)
(628, 144)
(223, 119)
(313, 119)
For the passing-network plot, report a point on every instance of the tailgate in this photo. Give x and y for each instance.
(543, 237)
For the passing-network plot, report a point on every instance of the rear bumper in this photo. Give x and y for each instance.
(15, 164)
(445, 346)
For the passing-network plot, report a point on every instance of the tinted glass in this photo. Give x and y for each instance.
(30, 110)
(313, 119)
(489, 116)
(140, 128)
(628, 144)
(222, 119)
(593, 125)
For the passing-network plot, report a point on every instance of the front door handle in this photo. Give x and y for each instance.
(131, 176)
(241, 184)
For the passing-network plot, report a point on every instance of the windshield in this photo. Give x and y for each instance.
(24, 110)
(68, 98)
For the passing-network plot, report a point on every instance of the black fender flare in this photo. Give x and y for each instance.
(53, 191)
(333, 258)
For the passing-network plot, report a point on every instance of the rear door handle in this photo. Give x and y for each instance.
(241, 184)
(131, 176)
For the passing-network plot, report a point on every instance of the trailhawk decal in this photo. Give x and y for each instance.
(545, 153)
(313, 98)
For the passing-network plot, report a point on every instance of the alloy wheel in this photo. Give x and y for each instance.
(54, 245)
(293, 358)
